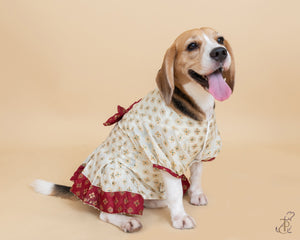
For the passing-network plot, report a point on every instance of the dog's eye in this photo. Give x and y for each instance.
(192, 46)
(220, 40)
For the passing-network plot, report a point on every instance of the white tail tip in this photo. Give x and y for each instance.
(42, 186)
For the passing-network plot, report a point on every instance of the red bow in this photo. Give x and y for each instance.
(118, 116)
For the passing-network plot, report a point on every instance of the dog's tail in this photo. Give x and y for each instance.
(52, 189)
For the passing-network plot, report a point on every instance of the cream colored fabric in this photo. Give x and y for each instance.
(150, 133)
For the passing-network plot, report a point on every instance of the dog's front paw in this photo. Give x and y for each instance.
(131, 225)
(198, 199)
(183, 222)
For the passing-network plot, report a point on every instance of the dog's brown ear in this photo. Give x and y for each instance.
(165, 76)
(230, 73)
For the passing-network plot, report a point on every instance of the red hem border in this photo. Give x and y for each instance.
(122, 202)
(111, 202)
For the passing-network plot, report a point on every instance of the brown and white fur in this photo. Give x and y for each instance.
(183, 84)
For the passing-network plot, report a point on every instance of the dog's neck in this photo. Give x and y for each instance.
(192, 100)
(204, 100)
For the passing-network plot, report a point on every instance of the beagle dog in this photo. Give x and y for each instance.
(172, 129)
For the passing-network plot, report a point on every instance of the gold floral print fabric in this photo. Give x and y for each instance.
(150, 133)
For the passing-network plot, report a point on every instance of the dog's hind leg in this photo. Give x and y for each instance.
(125, 223)
(154, 203)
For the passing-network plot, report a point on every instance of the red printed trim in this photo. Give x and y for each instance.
(184, 181)
(110, 202)
(167, 170)
(118, 116)
(77, 173)
(208, 160)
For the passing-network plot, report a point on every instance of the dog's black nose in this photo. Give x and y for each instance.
(218, 54)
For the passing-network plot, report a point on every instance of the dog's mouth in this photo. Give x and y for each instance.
(203, 79)
(214, 83)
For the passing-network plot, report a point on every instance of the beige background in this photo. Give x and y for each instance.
(65, 65)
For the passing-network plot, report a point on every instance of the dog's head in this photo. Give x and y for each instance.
(202, 55)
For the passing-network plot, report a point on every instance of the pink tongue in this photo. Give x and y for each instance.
(218, 87)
